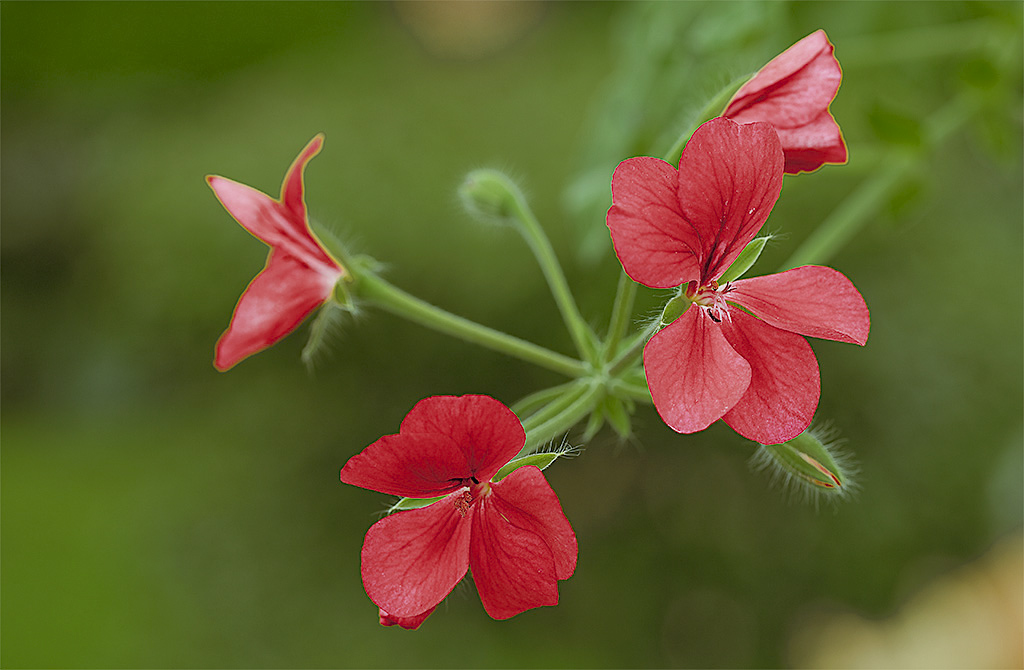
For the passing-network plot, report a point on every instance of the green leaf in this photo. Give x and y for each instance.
(745, 260)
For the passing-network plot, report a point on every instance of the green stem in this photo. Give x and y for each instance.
(622, 310)
(632, 352)
(935, 41)
(556, 406)
(528, 406)
(713, 108)
(582, 335)
(372, 288)
(639, 392)
(563, 421)
(857, 209)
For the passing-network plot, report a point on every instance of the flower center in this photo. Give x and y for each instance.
(476, 490)
(712, 298)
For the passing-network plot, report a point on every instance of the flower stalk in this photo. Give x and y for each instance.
(372, 288)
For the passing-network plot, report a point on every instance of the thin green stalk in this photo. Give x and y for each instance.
(639, 392)
(529, 405)
(713, 108)
(582, 336)
(857, 209)
(557, 406)
(622, 310)
(372, 288)
(632, 351)
(563, 421)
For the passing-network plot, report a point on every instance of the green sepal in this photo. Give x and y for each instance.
(745, 260)
(328, 319)
(412, 503)
(540, 460)
(594, 425)
(808, 459)
(617, 412)
(674, 309)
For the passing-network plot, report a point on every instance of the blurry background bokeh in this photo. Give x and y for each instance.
(158, 513)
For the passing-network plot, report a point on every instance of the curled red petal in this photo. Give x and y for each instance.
(292, 187)
(487, 433)
(281, 224)
(793, 93)
(522, 544)
(655, 244)
(273, 305)
(810, 300)
(809, 147)
(695, 376)
(408, 623)
(784, 386)
(730, 176)
(412, 560)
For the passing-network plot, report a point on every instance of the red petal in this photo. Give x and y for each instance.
(811, 300)
(408, 623)
(694, 375)
(422, 465)
(522, 545)
(793, 88)
(809, 147)
(730, 176)
(291, 189)
(526, 500)
(487, 432)
(412, 560)
(273, 305)
(784, 386)
(793, 93)
(281, 225)
(653, 241)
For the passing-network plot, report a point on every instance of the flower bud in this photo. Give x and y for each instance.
(489, 196)
(809, 462)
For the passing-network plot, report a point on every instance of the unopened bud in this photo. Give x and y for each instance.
(810, 461)
(489, 196)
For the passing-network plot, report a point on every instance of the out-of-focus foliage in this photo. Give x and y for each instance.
(157, 513)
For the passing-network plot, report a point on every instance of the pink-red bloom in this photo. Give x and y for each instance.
(793, 92)
(512, 533)
(737, 352)
(299, 275)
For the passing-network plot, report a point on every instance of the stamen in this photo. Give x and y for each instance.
(463, 502)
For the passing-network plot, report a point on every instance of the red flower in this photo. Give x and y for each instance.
(793, 92)
(750, 366)
(512, 533)
(299, 275)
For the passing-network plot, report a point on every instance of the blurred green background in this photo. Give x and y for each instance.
(156, 513)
